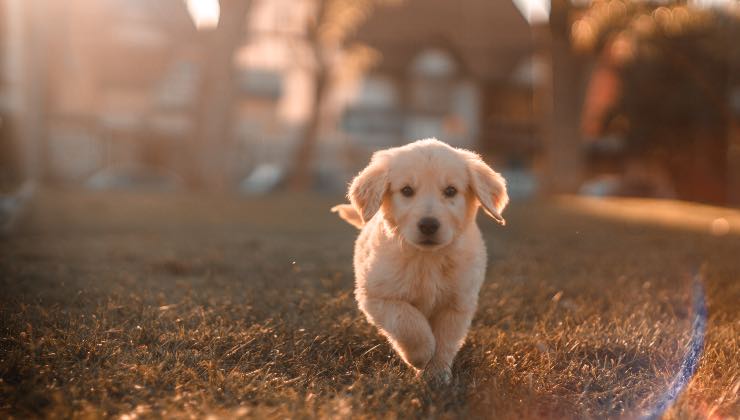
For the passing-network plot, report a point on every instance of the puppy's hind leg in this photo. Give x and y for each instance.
(405, 327)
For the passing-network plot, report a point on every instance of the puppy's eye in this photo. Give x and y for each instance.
(407, 191)
(450, 191)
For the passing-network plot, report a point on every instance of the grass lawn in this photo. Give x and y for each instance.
(177, 305)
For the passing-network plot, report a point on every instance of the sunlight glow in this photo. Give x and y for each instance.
(712, 3)
(204, 13)
(535, 11)
(717, 221)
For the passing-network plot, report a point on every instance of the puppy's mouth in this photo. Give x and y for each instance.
(427, 244)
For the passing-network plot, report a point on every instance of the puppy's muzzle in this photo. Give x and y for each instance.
(428, 226)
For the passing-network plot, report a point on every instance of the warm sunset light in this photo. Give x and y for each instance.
(204, 13)
(370, 208)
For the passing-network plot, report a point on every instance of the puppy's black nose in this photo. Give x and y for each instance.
(428, 225)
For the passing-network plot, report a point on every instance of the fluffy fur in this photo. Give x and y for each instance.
(420, 288)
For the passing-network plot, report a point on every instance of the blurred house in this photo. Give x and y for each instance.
(460, 71)
(121, 85)
(91, 83)
(121, 92)
(116, 86)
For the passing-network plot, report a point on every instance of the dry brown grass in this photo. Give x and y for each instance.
(149, 305)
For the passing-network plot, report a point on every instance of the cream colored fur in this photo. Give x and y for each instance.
(422, 296)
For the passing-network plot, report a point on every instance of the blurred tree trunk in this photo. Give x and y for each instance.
(733, 164)
(300, 177)
(213, 131)
(31, 88)
(326, 36)
(563, 148)
(733, 159)
(733, 130)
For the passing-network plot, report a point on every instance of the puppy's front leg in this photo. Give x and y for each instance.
(405, 327)
(449, 326)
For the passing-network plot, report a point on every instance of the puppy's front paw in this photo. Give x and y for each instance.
(417, 348)
(419, 356)
(437, 373)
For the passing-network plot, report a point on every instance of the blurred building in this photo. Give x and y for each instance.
(119, 85)
(124, 92)
(100, 83)
(460, 71)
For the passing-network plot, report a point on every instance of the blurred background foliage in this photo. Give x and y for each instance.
(614, 97)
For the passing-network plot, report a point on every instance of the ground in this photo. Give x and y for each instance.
(134, 304)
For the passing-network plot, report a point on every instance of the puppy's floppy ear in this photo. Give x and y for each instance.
(368, 187)
(489, 187)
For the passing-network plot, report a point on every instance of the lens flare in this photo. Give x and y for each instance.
(691, 358)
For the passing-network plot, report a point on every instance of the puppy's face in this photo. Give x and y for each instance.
(427, 200)
(428, 191)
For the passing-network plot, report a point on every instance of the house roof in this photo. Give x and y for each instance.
(488, 37)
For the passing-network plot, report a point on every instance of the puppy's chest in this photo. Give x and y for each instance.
(428, 286)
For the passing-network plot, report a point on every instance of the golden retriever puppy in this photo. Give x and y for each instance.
(420, 259)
